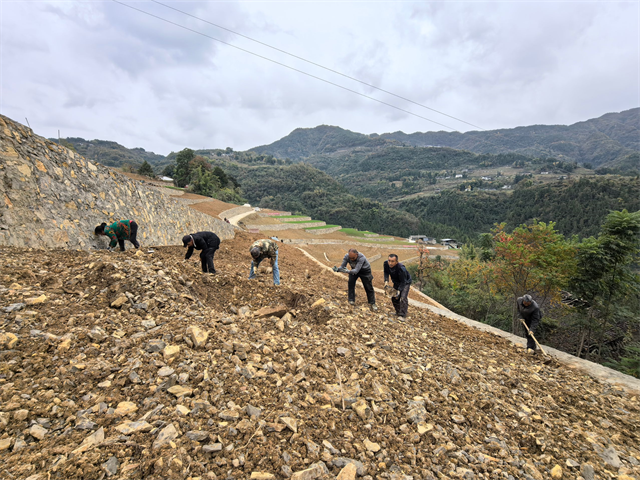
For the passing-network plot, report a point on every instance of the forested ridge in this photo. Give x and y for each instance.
(112, 154)
(577, 207)
(323, 139)
(300, 188)
(607, 141)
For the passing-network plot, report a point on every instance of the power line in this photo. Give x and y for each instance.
(286, 66)
(316, 64)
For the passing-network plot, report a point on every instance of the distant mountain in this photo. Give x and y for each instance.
(602, 141)
(113, 154)
(610, 141)
(321, 140)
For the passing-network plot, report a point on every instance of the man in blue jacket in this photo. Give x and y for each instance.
(360, 269)
(401, 285)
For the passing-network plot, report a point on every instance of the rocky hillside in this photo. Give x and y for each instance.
(53, 197)
(136, 366)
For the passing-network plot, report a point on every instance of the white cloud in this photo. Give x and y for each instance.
(102, 70)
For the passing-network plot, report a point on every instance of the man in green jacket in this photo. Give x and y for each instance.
(118, 232)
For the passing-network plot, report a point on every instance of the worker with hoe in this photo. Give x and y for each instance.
(208, 242)
(401, 279)
(118, 232)
(360, 269)
(532, 316)
(261, 249)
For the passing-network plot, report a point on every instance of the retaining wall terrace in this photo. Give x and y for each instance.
(293, 219)
(283, 226)
(52, 197)
(320, 231)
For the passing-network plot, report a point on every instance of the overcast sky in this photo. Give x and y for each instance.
(98, 69)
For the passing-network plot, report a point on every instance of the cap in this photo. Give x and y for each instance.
(255, 252)
(186, 239)
(527, 298)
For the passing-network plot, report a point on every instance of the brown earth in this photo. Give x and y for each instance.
(264, 396)
(255, 219)
(212, 207)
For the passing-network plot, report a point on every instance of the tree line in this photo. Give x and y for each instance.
(589, 290)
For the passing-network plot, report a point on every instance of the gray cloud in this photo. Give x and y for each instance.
(101, 70)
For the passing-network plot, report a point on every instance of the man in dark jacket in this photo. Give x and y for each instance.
(532, 316)
(208, 242)
(401, 284)
(118, 232)
(360, 269)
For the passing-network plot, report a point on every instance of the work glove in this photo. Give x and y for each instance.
(396, 293)
(343, 270)
(386, 284)
(111, 249)
(335, 269)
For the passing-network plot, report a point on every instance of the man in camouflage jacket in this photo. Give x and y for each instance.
(261, 249)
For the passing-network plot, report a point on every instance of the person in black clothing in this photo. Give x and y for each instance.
(208, 242)
(360, 269)
(401, 284)
(532, 316)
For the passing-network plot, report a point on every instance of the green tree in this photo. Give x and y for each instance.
(486, 247)
(203, 181)
(169, 170)
(222, 177)
(605, 280)
(146, 170)
(532, 259)
(183, 169)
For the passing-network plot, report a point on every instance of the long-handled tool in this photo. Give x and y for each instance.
(534, 338)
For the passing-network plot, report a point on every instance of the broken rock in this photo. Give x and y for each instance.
(167, 435)
(198, 336)
(277, 311)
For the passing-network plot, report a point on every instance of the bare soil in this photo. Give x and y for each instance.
(263, 396)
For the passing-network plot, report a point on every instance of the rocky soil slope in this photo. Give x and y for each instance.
(136, 365)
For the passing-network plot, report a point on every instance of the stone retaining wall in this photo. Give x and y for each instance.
(328, 241)
(53, 197)
(284, 226)
(271, 214)
(294, 219)
(320, 231)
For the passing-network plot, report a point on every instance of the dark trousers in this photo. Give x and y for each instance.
(133, 237)
(401, 303)
(534, 327)
(366, 278)
(206, 258)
